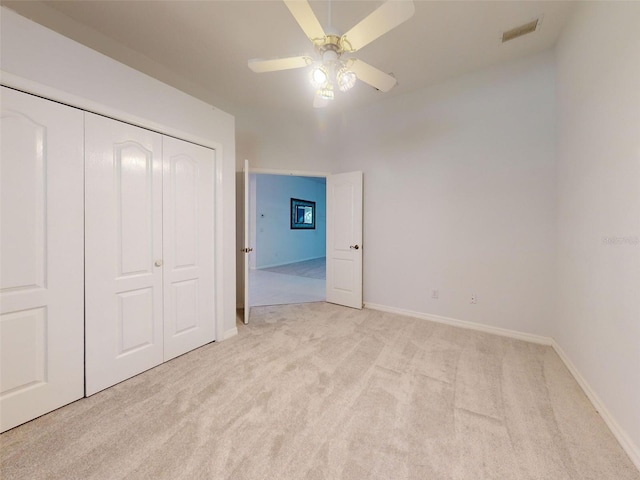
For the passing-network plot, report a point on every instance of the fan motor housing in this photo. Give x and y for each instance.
(331, 44)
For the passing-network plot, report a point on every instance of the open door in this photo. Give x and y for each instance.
(246, 249)
(344, 239)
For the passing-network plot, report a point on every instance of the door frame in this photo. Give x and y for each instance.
(270, 171)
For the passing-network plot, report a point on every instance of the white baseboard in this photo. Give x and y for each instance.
(503, 332)
(232, 332)
(627, 444)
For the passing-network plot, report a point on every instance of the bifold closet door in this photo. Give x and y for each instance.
(41, 273)
(188, 242)
(123, 251)
(149, 249)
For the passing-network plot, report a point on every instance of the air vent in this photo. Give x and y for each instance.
(520, 31)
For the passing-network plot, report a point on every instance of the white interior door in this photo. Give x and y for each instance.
(188, 244)
(344, 239)
(247, 249)
(41, 273)
(123, 218)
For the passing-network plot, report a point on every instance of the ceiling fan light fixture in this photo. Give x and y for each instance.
(346, 79)
(332, 72)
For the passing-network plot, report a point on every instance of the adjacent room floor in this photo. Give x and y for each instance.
(299, 282)
(318, 391)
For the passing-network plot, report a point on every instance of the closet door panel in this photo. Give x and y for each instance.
(188, 246)
(123, 251)
(41, 267)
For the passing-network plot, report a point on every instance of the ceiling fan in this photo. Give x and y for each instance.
(335, 69)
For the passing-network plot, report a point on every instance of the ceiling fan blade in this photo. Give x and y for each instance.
(261, 66)
(388, 16)
(371, 75)
(320, 102)
(301, 11)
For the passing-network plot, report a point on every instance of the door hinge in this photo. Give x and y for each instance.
(246, 250)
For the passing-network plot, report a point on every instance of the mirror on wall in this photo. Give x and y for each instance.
(303, 214)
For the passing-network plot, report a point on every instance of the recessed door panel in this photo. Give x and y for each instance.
(189, 320)
(123, 244)
(184, 180)
(24, 195)
(185, 304)
(135, 320)
(343, 274)
(343, 198)
(23, 354)
(134, 182)
(41, 301)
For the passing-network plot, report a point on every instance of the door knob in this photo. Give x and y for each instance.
(158, 263)
(355, 247)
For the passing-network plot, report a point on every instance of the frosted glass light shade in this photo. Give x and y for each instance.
(319, 77)
(346, 79)
(326, 93)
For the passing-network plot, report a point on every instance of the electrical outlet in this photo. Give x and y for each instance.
(435, 294)
(474, 298)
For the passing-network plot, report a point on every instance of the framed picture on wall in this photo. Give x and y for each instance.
(303, 214)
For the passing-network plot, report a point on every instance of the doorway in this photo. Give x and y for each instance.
(288, 264)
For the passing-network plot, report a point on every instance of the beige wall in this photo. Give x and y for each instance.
(598, 322)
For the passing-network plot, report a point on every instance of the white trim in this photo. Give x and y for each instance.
(627, 444)
(230, 333)
(218, 246)
(503, 332)
(291, 173)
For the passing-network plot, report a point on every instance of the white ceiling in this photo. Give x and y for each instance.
(202, 47)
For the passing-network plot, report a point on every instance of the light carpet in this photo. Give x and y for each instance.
(318, 391)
